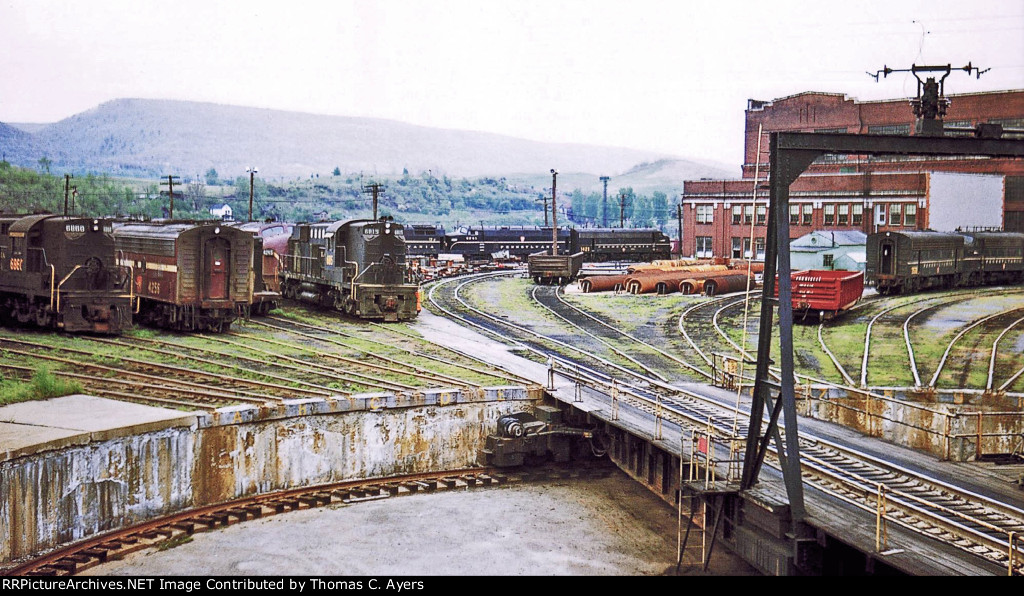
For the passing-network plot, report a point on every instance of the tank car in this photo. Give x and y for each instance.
(357, 267)
(188, 276)
(59, 272)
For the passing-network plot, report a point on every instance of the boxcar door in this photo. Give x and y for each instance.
(218, 253)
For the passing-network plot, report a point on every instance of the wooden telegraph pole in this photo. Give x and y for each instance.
(375, 189)
(67, 183)
(171, 181)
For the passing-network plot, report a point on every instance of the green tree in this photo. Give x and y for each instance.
(45, 163)
(336, 172)
(211, 177)
(659, 208)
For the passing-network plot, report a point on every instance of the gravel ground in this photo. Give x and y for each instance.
(610, 526)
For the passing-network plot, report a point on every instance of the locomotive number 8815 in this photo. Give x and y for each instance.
(357, 267)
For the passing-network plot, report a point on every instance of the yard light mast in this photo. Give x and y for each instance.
(554, 215)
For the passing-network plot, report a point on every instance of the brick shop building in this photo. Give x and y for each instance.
(853, 192)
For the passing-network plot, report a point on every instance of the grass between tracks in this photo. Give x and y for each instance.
(43, 385)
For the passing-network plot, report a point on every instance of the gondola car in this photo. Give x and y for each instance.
(907, 262)
(357, 267)
(188, 276)
(59, 272)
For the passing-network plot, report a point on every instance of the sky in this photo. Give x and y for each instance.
(667, 76)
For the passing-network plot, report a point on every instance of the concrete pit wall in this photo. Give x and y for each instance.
(64, 491)
(954, 431)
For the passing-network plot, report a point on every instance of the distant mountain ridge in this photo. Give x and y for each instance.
(150, 138)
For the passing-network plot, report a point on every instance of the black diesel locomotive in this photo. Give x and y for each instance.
(357, 267)
(59, 272)
(907, 262)
(187, 275)
(484, 242)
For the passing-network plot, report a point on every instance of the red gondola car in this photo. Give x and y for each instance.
(824, 293)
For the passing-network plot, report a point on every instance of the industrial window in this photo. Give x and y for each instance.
(844, 214)
(762, 215)
(895, 214)
(910, 216)
(748, 214)
(736, 250)
(746, 248)
(704, 247)
(759, 247)
(826, 261)
(858, 215)
(889, 129)
(830, 214)
(794, 215)
(808, 214)
(737, 214)
(705, 214)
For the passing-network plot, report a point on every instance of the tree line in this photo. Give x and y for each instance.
(423, 198)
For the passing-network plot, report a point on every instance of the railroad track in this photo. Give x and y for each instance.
(268, 363)
(934, 509)
(97, 550)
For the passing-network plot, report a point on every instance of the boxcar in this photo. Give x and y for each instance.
(59, 272)
(189, 276)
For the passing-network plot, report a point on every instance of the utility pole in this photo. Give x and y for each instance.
(374, 188)
(622, 210)
(545, 199)
(74, 195)
(604, 203)
(679, 215)
(171, 180)
(554, 215)
(67, 183)
(252, 173)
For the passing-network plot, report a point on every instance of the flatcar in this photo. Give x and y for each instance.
(188, 275)
(357, 267)
(622, 244)
(59, 273)
(482, 243)
(270, 242)
(424, 240)
(907, 262)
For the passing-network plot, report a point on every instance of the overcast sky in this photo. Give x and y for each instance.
(661, 75)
